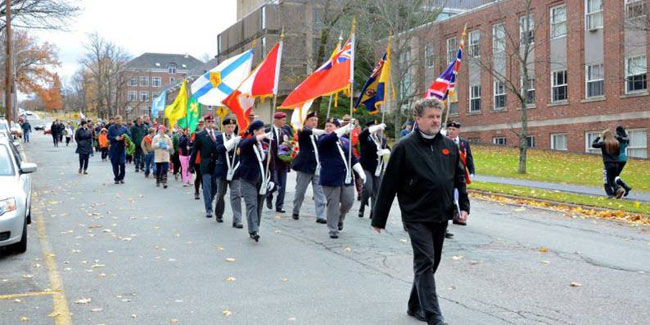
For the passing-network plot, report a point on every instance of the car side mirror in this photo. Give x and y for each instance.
(28, 168)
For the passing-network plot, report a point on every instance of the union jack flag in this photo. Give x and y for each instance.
(447, 80)
(341, 56)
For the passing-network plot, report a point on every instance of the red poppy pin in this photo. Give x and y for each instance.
(445, 151)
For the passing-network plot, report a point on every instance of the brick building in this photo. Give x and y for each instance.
(588, 64)
(148, 74)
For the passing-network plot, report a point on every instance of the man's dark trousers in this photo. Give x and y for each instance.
(279, 177)
(426, 240)
(118, 160)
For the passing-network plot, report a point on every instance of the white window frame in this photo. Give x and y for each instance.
(156, 82)
(474, 40)
(133, 82)
(406, 84)
(643, 60)
(591, 78)
(530, 19)
(497, 139)
(498, 38)
(593, 17)
(144, 96)
(635, 6)
(144, 81)
(531, 143)
(631, 132)
(473, 98)
(558, 22)
(554, 86)
(132, 96)
(428, 56)
(495, 93)
(171, 69)
(566, 141)
(452, 49)
(589, 139)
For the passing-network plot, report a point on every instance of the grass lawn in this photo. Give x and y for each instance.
(554, 166)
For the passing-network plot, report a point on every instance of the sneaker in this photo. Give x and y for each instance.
(334, 235)
(340, 226)
(627, 191)
(321, 221)
(619, 193)
(196, 196)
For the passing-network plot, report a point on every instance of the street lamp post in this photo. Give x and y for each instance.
(8, 64)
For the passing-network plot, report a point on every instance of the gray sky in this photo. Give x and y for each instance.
(138, 26)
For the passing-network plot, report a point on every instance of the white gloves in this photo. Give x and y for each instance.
(343, 130)
(263, 136)
(377, 127)
(357, 168)
(383, 152)
(317, 132)
(232, 143)
(443, 132)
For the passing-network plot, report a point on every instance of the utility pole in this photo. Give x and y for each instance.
(8, 65)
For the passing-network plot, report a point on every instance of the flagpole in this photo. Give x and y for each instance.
(273, 109)
(354, 25)
(329, 106)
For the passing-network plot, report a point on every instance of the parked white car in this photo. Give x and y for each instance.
(15, 197)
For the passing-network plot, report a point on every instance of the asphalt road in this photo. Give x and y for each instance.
(137, 254)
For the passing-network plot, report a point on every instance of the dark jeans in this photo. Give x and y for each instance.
(104, 153)
(67, 141)
(209, 191)
(118, 160)
(83, 161)
(138, 159)
(426, 240)
(610, 172)
(621, 165)
(279, 177)
(55, 138)
(148, 163)
(26, 136)
(161, 171)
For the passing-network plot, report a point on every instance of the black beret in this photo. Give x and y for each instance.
(453, 124)
(257, 124)
(334, 121)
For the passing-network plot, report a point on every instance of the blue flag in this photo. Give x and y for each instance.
(158, 104)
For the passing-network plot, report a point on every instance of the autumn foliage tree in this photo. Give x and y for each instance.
(51, 97)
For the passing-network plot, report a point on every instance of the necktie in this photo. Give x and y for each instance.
(212, 135)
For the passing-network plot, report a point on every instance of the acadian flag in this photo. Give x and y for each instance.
(374, 90)
(158, 104)
(447, 80)
(178, 109)
(215, 85)
(262, 82)
(333, 76)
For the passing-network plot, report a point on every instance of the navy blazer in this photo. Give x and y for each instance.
(368, 159)
(221, 170)
(249, 168)
(305, 162)
(332, 172)
(117, 147)
(464, 147)
(277, 163)
(207, 148)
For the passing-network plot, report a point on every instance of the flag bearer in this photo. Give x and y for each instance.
(205, 145)
(226, 172)
(373, 150)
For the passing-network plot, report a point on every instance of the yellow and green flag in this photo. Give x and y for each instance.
(178, 109)
(191, 120)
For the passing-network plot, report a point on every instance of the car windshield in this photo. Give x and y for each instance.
(6, 163)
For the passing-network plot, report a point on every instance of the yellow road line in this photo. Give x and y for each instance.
(27, 294)
(61, 309)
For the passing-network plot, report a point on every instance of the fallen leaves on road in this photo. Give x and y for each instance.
(546, 262)
(347, 249)
(83, 301)
(457, 257)
(231, 279)
(226, 312)
(24, 319)
(575, 284)
(230, 259)
(543, 250)
(54, 314)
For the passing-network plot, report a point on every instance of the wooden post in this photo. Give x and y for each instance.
(8, 64)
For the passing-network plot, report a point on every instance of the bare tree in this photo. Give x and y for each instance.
(106, 64)
(39, 14)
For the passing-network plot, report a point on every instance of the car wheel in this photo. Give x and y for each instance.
(29, 214)
(21, 246)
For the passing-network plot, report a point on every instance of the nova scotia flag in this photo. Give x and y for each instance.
(215, 85)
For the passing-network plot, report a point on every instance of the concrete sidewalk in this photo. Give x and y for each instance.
(571, 188)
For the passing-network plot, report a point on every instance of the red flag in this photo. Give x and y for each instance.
(262, 82)
(331, 77)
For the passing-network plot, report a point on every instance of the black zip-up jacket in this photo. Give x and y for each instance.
(608, 158)
(423, 174)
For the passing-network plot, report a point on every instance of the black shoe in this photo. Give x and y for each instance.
(79, 170)
(117, 182)
(360, 213)
(220, 219)
(137, 170)
(296, 216)
(321, 221)
(164, 185)
(255, 237)
(458, 222)
(208, 215)
(269, 204)
(237, 225)
(449, 235)
(280, 210)
(334, 236)
(85, 172)
(121, 181)
(340, 226)
(417, 316)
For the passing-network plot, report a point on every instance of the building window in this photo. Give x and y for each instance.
(172, 69)
(453, 108)
(530, 141)
(132, 96)
(144, 96)
(634, 8)
(428, 56)
(635, 74)
(589, 139)
(594, 14)
(144, 81)
(475, 98)
(527, 29)
(474, 38)
(499, 95)
(559, 86)
(498, 38)
(501, 141)
(559, 141)
(595, 80)
(558, 21)
(171, 80)
(219, 44)
(156, 81)
(133, 82)
(452, 49)
(638, 146)
(529, 89)
(405, 83)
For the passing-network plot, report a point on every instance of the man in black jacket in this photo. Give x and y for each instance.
(138, 131)
(278, 168)
(205, 143)
(226, 172)
(423, 171)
